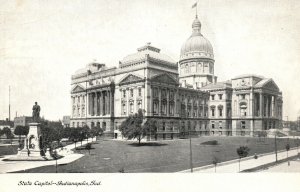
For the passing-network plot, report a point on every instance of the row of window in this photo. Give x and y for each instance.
(131, 92)
(220, 125)
(76, 112)
(199, 68)
(131, 107)
(163, 93)
(163, 108)
(78, 99)
(93, 124)
(188, 112)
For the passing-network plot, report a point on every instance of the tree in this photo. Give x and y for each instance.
(96, 131)
(74, 135)
(51, 131)
(150, 127)
(7, 131)
(242, 152)
(215, 162)
(21, 130)
(67, 132)
(88, 147)
(287, 147)
(132, 127)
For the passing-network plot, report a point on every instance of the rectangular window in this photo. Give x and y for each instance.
(212, 97)
(124, 94)
(220, 112)
(164, 126)
(243, 124)
(212, 124)
(220, 125)
(140, 92)
(172, 126)
(104, 126)
(212, 112)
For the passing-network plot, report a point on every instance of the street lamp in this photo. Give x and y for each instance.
(191, 155)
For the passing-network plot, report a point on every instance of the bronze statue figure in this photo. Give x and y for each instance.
(36, 112)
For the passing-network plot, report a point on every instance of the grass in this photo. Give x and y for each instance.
(164, 156)
(8, 150)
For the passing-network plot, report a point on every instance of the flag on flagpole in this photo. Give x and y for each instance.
(195, 5)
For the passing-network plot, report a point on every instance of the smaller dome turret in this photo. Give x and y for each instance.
(196, 27)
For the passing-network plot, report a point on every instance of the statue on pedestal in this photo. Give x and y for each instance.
(36, 112)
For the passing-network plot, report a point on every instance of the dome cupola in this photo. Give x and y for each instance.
(196, 46)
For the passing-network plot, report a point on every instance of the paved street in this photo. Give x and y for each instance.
(248, 163)
(293, 167)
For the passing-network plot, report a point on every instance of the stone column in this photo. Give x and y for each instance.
(112, 103)
(108, 102)
(251, 104)
(268, 105)
(127, 102)
(159, 101)
(103, 102)
(100, 102)
(273, 106)
(261, 111)
(90, 104)
(150, 110)
(95, 103)
(203, 109)
(168, 101)
(186, 107)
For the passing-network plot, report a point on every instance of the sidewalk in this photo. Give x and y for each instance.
(246, 163)
(69, 156)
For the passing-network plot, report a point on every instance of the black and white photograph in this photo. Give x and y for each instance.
(195, 87)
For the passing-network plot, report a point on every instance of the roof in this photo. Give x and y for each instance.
(219, 85)
(147, 50)
(248, 75)
(262, 82)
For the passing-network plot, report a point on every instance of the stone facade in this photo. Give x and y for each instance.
(179, 96)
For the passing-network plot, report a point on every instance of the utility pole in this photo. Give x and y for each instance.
(191, 155)
(276, 146)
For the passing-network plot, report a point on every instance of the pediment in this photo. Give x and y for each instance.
(129, 79)
(164, 78)
(271, 85)
(77, 89)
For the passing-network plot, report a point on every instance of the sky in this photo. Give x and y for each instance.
(42, 43)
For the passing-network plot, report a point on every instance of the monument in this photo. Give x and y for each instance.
(33, 141)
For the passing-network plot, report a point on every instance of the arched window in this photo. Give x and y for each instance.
(131, 107)
(139, 104)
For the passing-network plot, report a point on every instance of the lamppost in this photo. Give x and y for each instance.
(275, 145)
(191, 154)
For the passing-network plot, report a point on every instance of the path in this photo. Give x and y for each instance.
(69, 156)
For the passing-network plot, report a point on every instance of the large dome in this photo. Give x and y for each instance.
(197, 45)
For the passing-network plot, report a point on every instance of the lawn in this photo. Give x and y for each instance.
(165, 156)
(8, 150)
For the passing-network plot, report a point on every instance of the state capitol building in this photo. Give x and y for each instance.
(180, 96)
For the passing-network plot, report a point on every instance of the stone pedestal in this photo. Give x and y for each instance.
(32, 143)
